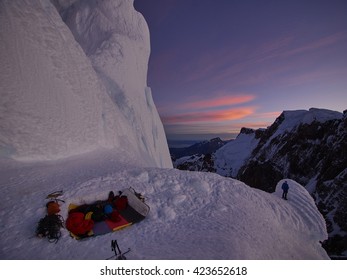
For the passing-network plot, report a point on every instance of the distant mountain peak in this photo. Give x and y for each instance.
(216, 139)
(290, 120)
(204, 147)
(245, 130)
(311, 115)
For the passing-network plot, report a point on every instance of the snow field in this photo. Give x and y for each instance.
(193, 215)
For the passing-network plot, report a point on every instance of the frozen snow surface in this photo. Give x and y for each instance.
(193, 215)
(70, 88)
(233, 155)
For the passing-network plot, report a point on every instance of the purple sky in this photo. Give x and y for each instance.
(219, 65)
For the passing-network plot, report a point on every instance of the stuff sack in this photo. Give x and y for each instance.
(77, 224)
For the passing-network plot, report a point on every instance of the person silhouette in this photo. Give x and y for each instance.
(285, 188)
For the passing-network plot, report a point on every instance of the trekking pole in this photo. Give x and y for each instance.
(113, 248)
(118, 255)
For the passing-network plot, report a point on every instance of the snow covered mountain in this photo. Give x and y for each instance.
(77, 115)
(204, 147)
(73, 80)
(230, 158)
(296, 145)
(197, 162)
(309, 147)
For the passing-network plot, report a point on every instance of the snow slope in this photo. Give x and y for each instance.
(70, 90)
(193, 215)
(232, 156)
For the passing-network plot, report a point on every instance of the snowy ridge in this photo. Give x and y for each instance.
(315, 114)
(188, 159)
(193, 215)
(307, 213)
(232, 156)
(290, 120)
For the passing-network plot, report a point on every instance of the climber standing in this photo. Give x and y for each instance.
(285, 188)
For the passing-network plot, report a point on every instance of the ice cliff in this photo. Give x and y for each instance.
(73, 80)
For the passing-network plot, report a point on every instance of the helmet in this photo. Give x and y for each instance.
(52, 208)
(108, 209)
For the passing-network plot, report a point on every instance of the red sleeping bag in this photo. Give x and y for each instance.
(77, 224)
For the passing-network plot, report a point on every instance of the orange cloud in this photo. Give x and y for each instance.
(215, 116)
(218, 102)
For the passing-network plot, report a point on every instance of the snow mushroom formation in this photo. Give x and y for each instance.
(73, 88)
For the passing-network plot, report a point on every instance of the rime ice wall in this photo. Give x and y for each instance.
(75, 86)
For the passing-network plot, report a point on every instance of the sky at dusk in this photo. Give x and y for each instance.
(219, 65)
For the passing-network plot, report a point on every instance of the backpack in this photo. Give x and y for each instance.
(120, 202)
